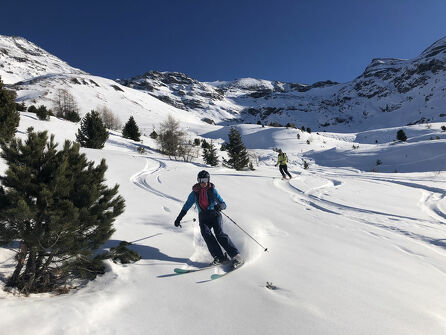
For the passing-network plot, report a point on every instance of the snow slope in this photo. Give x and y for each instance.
(350, 251)
(21, 59)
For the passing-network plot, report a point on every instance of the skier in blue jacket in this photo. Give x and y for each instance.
(209, 204)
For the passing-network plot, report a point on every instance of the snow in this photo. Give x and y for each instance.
(350, 251)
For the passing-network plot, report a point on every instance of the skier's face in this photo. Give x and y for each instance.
(203, 182)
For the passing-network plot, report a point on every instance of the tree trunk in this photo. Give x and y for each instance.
(21, 256)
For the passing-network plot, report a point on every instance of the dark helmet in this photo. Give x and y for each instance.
(202, 175)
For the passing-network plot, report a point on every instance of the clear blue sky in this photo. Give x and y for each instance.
(296, 41)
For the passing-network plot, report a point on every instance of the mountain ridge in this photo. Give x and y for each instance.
(390, 91)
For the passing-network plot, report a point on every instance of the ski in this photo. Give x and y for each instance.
(184, 271)
(232, 269)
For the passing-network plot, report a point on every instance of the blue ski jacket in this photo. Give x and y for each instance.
(213, 198)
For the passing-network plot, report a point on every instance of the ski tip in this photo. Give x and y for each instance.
(215, 276)
(178, 270)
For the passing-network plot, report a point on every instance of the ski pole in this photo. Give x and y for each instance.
(265, 249)
(193, 220)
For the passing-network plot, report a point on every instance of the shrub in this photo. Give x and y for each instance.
(109, 119)
(57, 206)
(66, 106)
(153, 134)
(43, 113)
(172, 140)
(20, 107)
(32, 109)
(401, 135)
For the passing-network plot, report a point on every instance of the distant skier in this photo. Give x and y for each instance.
(282, 161)
(209, 204)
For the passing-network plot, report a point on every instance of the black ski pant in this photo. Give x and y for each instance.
(213, 220)
(284, 169)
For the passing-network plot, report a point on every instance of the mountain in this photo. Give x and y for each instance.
(22, 60)
(37, 77)
(390, 92)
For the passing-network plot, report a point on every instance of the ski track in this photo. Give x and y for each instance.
(430, 203)
(140, 179)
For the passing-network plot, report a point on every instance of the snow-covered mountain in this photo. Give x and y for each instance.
(390, 92)
(37, 77)
(22, 60)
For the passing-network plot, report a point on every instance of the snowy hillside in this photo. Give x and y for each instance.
(349, 251)
(37, 77)
(23, 60)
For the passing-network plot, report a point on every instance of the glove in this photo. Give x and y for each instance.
(219, 207)
(178, 219)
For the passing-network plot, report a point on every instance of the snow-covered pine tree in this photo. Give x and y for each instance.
(210, 154)
(9, 117)
(131, 130)
(57, 206)
(92, 133)
(238, 155)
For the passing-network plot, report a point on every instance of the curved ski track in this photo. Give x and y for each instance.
(432, 202)
(141, 179)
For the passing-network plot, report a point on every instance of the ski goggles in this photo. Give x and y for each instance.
(203, 180)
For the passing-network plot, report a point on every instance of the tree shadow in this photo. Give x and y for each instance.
(150, 253)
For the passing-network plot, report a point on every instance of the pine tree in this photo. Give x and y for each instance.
(210, 155)
(43, 113)
(238, 155)
(92, 133)
(57, 206)
(131, 130)
(9, 117)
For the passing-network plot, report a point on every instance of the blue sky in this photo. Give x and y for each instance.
(295, 41)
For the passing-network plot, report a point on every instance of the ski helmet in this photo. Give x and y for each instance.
(203, 176)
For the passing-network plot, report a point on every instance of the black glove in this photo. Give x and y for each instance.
(219, 207)
(178, 219)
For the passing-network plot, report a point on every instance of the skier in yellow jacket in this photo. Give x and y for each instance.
(282, 161)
